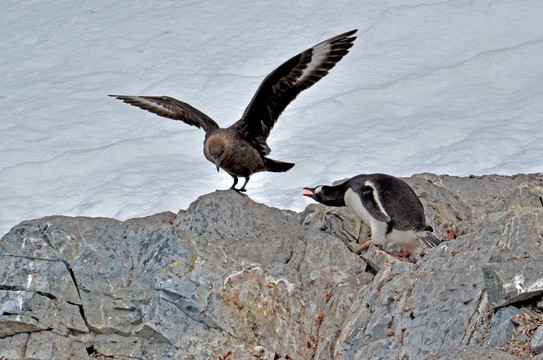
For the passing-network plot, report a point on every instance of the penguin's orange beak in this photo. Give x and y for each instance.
(311, 191)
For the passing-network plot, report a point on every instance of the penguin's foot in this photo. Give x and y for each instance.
(404, 256)
(364, 245)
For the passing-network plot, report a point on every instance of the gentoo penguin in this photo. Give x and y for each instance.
(241, 149)
(386, 204)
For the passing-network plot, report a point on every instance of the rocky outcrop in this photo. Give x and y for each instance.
(233, 279)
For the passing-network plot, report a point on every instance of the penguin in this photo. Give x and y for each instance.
(241, 149)
(386, 204)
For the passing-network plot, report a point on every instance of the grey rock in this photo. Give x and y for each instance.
(525, 199)
(42, 310)
(431, 304)
(513, 281)
(377, 258)
(46, 345)
(447, 212)
(484, 194)
(13, 347)
(522, 235)
(216, 279)
(12, 325)
(537, 340)
(472, 352)
(231, 278)
(502, 326)
(339, 222)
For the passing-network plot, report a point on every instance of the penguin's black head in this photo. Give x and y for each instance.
(327, 195)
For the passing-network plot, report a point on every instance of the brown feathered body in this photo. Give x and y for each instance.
(235, 155)
(241, 149)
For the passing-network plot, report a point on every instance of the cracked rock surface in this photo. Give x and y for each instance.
(233, 279)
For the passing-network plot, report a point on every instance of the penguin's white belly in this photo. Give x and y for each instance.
(408, 237)
(378, 228)
(379, 234)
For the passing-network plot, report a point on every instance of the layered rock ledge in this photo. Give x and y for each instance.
(233, 279)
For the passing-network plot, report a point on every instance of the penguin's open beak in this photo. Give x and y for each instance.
(218, 163)
(311, 190)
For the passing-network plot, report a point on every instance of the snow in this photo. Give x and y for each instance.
(448, 87)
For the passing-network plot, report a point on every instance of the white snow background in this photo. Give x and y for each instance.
(449, 87)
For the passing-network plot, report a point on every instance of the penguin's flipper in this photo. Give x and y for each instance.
(370, 200)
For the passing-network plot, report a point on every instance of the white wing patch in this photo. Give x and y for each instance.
(318, 56)
(155, 106)
(376, 197)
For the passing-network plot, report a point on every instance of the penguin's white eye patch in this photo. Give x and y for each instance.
(318, 190)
